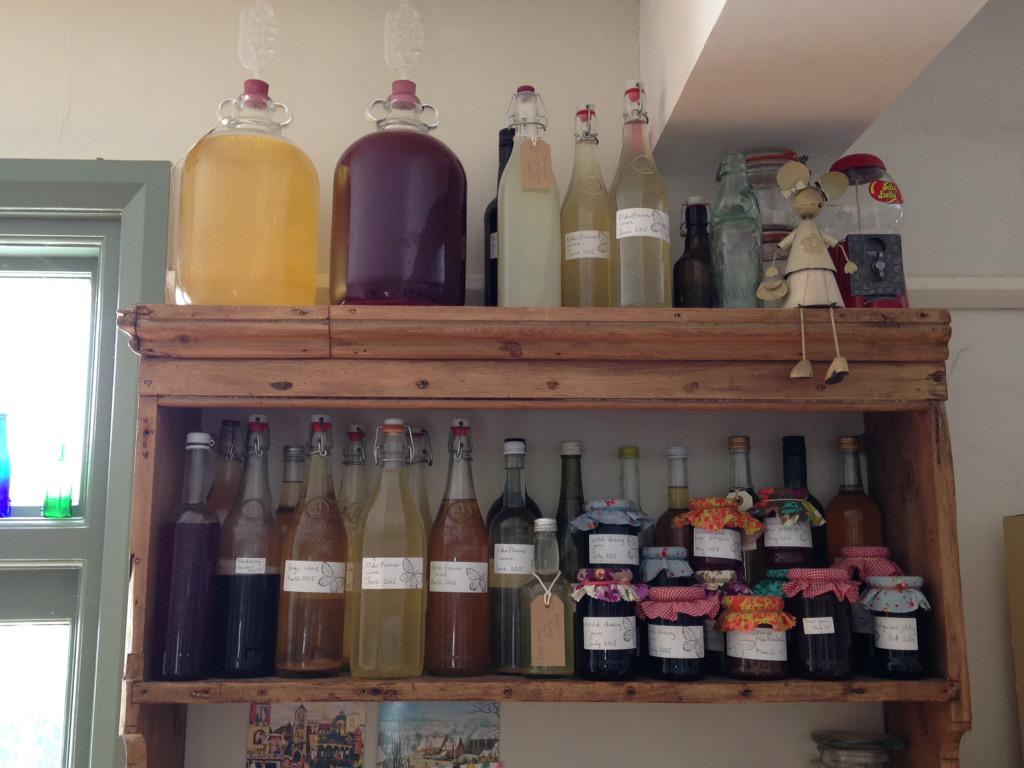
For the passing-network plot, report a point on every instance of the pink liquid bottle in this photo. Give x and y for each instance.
(398, 231)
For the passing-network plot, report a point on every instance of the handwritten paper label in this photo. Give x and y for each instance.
(613, 548)
(547, 632)
(776, 534)
(724, 544)
(609, 633)
(821, 625)
(748, 541)
(314, 576)
(642, 222)
(513, 559)
(761, 644)
(863, 624)
(250, 565)
(536, 164)
(392, 573)
(587, 244)
(895, 634)
(675, 642)
(713, 639)
(450, 576)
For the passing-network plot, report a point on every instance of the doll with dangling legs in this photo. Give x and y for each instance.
(810, 280)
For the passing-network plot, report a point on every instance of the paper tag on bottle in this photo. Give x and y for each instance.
(723, 544)
(587, 244)
(820, 625)
(748, 542)
(863, 622)
(392, 573)
(493, 250)
(713, 639)
(536, 164)
(460, 577)
(675, 642)
(761, 644)
(250, 565)
(313, 576)
(642, 222)
(776, 534)
(895, 634)
(613, 549)
(547, 632)
(513, 559)
(609, 633)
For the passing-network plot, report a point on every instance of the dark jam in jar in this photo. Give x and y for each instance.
(863, 562)
(791, 539)
(606, 625)
(898, 610)
(821, 642)
(674, 620)
(718, 528)
(721, 583)
(755, 629)
(607, 535)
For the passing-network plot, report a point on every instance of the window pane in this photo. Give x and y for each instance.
(34, 660)
(45, 389)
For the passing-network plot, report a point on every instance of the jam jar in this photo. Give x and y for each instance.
(790, 523)
(674, 618)
(755, 628)
(607, 535)
(718, 528)
(606, 638)
(721, 583)
(857, 749)
(863, 563)
(821, 643)
(898, 607)
(665, 567)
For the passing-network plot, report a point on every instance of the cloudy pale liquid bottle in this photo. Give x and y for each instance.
(352, 502)
(227, 470)
(392, 599)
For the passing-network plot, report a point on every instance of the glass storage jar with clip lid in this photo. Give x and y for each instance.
(856, 749)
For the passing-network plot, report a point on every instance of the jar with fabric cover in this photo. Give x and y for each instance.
(606, 631)
(863, 563)
(772, 583)
(898, 609)
(794, 530)
(857, 749)
(718, 527)
(607, 535)
(721, 583)
(755, 628)
(665, 567)
(674, 618)
(819, 599)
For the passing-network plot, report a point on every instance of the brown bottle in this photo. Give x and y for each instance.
(852, 519)
(458, 606)
(665, 534)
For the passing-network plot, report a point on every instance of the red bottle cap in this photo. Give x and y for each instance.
(259, 88)
(403, 94)
(526, 89)
(848, 163)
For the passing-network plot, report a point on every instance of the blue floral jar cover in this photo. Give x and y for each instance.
(672, 560)
(895, 594)
(610, 512)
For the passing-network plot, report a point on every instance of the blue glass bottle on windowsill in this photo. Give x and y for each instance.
(5, 470)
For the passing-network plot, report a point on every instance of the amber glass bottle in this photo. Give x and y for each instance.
(852, 519)
(665, 534)
(458, 607)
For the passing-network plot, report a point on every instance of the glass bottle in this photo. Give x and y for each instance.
(735, 236)
(852, 518)
(497, 504)
(352, 504)
(291, 486)
(249, 568)
(311, 613)
(794, 473)
(570, 503)
(227, 470)
(547, 609)
(529, 212)
(5, 470)
(505, 141)
(511, 563)
(393, 550)
(188, 558)
(629, 488)
(458, 606)
(398, 232)
(692, 284)
(57, 500)
(741, 487)
(245, 222)
(423, 457)
(586, 222)
(641, 265)
(665, 534)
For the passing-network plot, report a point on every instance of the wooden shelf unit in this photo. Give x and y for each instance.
(408, 357)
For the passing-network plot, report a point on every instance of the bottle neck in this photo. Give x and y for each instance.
(697, 241)
(291, 485)
(545, 553)
(634, 138)
(460, 471)
(794, 470)
(585, 159)
(572, 478)
(514, 494)
(528, 131)
(629, 480)
(353, 482)
(849, 479)
(319, 479)
(194, 490)
(678, 484)
(256, 472)
(504, 153)
(741, 470)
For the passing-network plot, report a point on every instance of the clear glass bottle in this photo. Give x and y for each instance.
(506, 139)
(529, 212)
(311, 613)
(497, 504)
(458, 606)
(629, 488)
(852, 518)
(392, 600)
(666, 534)
(571, 502)
(423, 457)
(511, 563)
(735, 236)
(741, 486)
(352, 504)
(187, 562)
(692, 281)
(398, 232)
(227, 469)
(294, 478)
(547, 609)
(641, 264)
(586, 222)
(248, 578)
(244, 227)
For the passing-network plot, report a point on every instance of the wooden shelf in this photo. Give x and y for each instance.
(511, 688)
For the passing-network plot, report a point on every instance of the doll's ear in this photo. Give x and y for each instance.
(834, 184)
(792, 177)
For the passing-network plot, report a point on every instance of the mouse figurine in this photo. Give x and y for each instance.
(810, 280)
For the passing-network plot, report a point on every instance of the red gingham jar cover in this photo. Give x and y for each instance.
(669, 602)
(815, 582)
(865, 562)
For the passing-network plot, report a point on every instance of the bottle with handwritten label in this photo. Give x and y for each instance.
(227, 469)
(352, 503)
(586, 222)
(248, 569)
(499, 502)
(393, 552)
(511, 563)
(641, 265)
(311, 613)
(669, 531)
(458, 606)
(291, 486)
(529, 212)
(547, 609)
